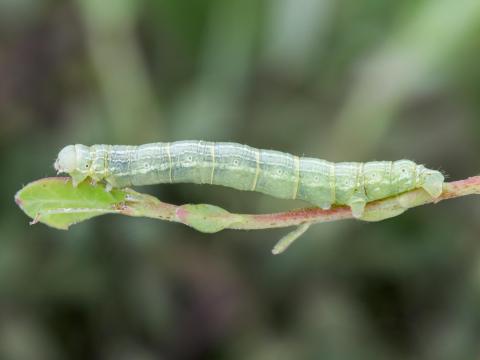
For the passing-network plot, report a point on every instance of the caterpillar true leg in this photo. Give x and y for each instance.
(76, 179)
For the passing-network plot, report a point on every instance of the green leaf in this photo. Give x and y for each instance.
(56, 203)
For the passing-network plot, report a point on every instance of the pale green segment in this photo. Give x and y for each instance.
(282, 175)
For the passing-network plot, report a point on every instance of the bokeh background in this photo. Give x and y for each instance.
(341, 80)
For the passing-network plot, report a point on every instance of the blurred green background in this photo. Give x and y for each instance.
(340, 80)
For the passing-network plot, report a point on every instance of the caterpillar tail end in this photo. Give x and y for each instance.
(433, 183)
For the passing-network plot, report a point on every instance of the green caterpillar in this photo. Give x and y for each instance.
(278, 174)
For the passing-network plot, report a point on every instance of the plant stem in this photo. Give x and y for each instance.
(148, 206)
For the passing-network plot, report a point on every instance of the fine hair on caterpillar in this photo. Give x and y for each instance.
(318, 182)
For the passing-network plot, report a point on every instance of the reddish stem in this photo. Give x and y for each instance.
(374, 211)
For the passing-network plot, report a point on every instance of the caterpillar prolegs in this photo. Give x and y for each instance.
(241, 167)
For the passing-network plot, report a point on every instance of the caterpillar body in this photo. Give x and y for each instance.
(282, 175)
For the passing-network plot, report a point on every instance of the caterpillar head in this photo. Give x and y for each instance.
(431, 181)
(74, 160)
